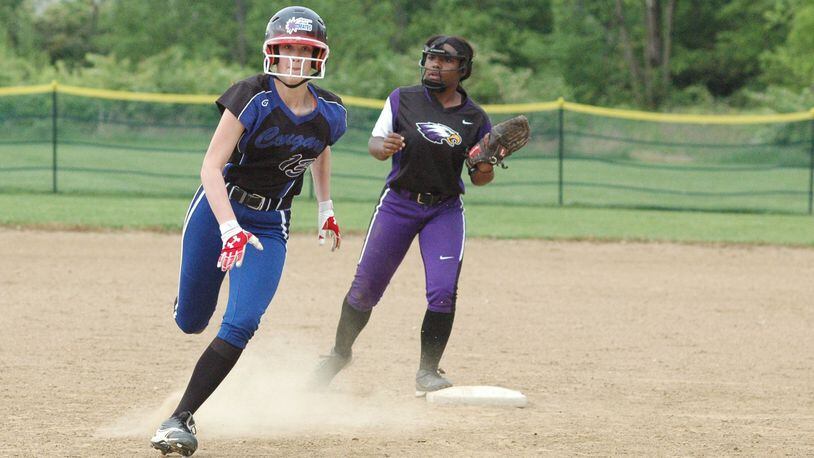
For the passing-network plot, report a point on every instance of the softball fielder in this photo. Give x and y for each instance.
(426, 130)
(273, 127)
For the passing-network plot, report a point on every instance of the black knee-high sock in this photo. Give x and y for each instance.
(351, 323)
(213, 366)
(435, 333)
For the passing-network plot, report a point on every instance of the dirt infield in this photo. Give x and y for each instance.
(644, 349)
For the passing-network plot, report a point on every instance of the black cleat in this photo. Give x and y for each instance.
(427, 380)
(176, 435)
(328, 368)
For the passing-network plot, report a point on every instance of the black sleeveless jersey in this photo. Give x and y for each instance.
(277, 146)
(437, 139)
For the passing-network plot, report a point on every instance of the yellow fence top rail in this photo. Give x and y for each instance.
(522, 107)
(25, 90)
(378, 104)
(688, 118)
(362, 102)
(137, 96)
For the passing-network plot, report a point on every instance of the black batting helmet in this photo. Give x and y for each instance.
(296, 25)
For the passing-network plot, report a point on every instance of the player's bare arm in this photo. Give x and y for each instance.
(220, 148)
(321, 171)
(223, 142)
(383, 147)
(326, 221)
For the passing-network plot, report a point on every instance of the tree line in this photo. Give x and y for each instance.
(717, 55)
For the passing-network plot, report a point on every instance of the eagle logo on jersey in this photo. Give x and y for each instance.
(438, 133)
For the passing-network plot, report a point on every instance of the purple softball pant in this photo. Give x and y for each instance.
(395, 223)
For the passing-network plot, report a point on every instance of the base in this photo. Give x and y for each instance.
(478, 396)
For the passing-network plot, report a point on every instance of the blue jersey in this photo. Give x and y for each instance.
(278, 146)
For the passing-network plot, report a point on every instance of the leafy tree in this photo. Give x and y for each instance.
(720, 49)
(69, 30)
(642, 53)
(646, 31)
(203, 28)
(790, 64)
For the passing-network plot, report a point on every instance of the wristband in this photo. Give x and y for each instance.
(229, 228)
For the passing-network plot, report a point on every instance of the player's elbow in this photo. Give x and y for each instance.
(207, 171)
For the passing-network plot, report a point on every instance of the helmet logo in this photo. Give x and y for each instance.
(438, 133)
(296, 24)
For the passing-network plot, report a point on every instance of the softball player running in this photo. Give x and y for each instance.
(427, 131)
(273, 127)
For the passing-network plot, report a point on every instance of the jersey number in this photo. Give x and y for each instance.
(295, 165)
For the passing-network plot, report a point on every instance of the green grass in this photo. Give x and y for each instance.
(742, 184)
(531, 180)
(608, 162)
(567, 223)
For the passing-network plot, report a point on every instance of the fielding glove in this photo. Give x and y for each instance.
(504, 139)
(328, 227)
(234, 245)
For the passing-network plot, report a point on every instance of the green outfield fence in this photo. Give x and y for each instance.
(67, 139)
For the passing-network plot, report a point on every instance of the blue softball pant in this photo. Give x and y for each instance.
(251, 286)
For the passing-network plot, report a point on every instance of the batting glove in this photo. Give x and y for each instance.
(328, 227)
(234, 245)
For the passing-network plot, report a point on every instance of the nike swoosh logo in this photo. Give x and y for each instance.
(466, 122)
(444, 258)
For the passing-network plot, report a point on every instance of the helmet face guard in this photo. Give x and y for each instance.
(311, 67)
(436, 48)
(296, 25)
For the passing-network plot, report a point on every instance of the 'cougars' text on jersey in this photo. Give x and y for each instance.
(437, 139)
(278, 146)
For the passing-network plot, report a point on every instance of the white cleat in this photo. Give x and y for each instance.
(427, 381)
(176, 435)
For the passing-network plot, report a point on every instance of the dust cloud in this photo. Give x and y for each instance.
(267, 395)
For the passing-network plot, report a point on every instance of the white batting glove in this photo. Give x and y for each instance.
(234, 245)
(328, 227)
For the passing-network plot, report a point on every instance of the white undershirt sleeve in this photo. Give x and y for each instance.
(384, 125)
